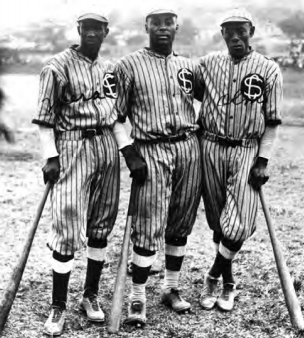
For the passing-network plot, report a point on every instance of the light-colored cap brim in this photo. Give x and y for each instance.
(235, 19)
(161, 12)
(92, 16)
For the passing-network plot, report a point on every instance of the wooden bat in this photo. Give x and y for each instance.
(15, 278)
(291, 299)
(120, 281)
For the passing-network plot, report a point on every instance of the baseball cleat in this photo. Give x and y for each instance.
(225, 302)
(210, 292)
(172, 299)
(91, 306)
(136, 314)
(55, 322)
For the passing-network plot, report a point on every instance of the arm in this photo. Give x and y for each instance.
(48, 99)
(134, 161)
(258, 176)
(199, 84)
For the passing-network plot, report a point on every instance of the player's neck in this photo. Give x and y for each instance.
(162, 50)
(88, 52)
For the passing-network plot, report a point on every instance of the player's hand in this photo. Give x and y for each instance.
(136, 164)
(258, 174)
(51, 170)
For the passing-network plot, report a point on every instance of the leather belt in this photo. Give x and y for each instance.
(79, 134)
(229, 141)
(166, 139)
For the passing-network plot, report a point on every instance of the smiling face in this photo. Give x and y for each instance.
(237, 36)
(161, 29)
(92, 34)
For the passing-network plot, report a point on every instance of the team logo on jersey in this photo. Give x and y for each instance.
(185, 80)
(252, 87)
(109, 85)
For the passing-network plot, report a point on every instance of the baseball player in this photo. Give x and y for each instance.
(75, 119)
(240, 115)
(156, 92)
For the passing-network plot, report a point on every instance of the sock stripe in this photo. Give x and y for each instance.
(176, 251)
(143, 261)
(62, 267)
(96, 254)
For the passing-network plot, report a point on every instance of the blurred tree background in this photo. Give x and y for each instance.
(199, 33)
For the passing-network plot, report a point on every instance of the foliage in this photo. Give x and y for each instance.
(293, 26)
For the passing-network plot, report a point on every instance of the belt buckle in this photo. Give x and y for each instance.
(89, 133)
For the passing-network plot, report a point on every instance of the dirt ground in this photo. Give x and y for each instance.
(260, 309)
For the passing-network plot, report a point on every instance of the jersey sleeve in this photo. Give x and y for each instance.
(50, 91)
(123, 87)
(273, 96)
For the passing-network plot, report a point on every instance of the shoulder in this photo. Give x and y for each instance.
(270, 62)
(58, 63)
(213, 56)
(106, 65)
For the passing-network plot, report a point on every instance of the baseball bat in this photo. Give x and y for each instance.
(15, 278)
(120, 281)
(291, 299)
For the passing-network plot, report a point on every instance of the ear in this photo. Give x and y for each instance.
(222, 32)
(252, 30)
(107, 30)
(146, 27)
(78, 29)
(177, 27)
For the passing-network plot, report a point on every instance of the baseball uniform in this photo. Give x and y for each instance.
(240, 100)
(76, 98)
(157, 93)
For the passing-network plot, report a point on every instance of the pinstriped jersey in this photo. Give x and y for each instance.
(240, 98)
(156, 93)
(76, 92)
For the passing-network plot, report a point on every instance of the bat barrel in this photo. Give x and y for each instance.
(120, 282)
(15, 278)
(291, 299)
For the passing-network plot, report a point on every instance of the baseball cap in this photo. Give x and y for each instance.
(160, 12)
(92, 16)
(237, 15)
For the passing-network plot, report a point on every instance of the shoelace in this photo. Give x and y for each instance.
(226, 293)
(209, 291)
(57, 313)
(94, 302)
(176, 293)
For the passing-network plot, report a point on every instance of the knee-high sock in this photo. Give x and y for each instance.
(223, 262)
(96, 259)
(142, 261)
(62, 266)
(174, 260)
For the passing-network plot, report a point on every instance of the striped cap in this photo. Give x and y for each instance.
(160, 12)
(92, 16)
(237, 15)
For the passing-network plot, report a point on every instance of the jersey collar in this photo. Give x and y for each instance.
(81, 56)
(148, 51)
(246, 57)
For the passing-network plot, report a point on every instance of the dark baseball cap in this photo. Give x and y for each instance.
(92, 16)
(160, 12)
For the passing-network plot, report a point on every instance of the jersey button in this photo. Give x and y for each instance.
(234, 80)
(231, 117)
(176, 113)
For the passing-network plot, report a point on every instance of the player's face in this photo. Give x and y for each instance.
(161, 30)
(237, 36)
(92, 33)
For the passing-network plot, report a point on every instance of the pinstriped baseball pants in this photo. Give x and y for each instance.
(85, 198)
(230, 202)
(168, 201)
